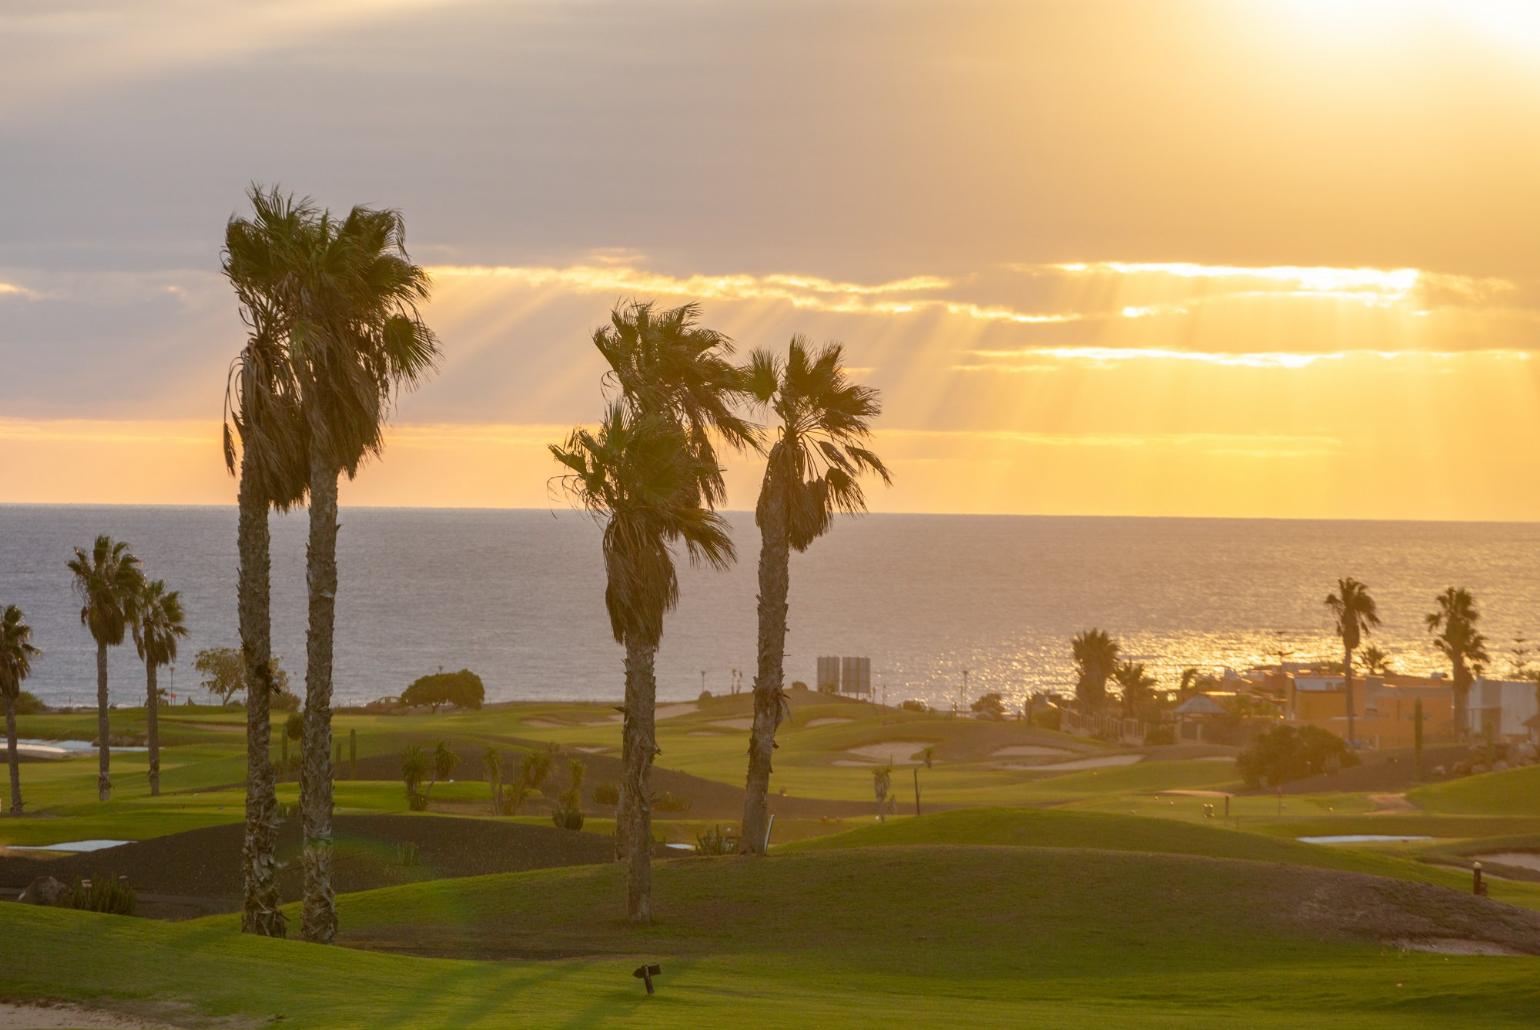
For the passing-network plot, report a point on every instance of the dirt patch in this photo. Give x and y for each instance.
(34, 1015)
(1452, 946)
(1387, 804)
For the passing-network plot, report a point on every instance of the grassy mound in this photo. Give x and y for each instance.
(1510, 792)
(920, 935)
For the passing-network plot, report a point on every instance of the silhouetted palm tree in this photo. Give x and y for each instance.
(1356, 615)
(158, 622)
(355, 338)
(1462, 643)
(817, 457)
(1137, 686)
(1096, 655)
(1374, 661)
(639, 476)
(16, 654)
(108, 582)
(263, 426)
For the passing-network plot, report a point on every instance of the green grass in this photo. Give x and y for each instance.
(920, 935)
(1513, 792)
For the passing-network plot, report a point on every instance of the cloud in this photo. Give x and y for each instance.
(15, 290)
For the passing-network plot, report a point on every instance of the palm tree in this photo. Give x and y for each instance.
(1138, 687)
(1374, 661)
(264, 429)
(108, 582)
(1356, 614)
(639, 476)
(1096, 655)
(16, 654)
(1457, 637)
(812, 472)
(349, 293)
(158, 622)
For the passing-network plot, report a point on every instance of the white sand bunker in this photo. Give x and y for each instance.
(1030, 751)
(833, 720)
(745, 723)
(551, 724)
(1512, 859)
(892, 752)
(45, 1017)
(1105, 762)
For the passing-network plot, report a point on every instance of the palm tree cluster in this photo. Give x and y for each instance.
(333, 334)
(650, 475)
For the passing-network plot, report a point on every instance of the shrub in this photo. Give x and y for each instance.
(990, 706)
(1286, 753)
(704, 696)
(104, 892)
(284, 701)
(414, 769)
(294, 728)
(666, 802)
(462, 689)
(568, 814)
(1160, 735)
(407, 854)
(606, 794)
(715, 841)
(27, 703)
(914, 705)
(1048, 718)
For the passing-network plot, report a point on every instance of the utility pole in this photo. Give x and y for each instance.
(963, 700)
(703, 681)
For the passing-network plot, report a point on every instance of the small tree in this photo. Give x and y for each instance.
(568, 813)
(492, 762)
(534, 769)
(414, 769)
(224, 676)
(882, 779)
(444, 762)
(990, 706)
(462, 689)
(1286, 753)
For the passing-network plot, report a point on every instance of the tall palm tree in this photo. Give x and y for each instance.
(355, 338)
(666, 364)
(158, 623)
(1462, 643)
(1096, 655)
(812, 472)
(1137, 687)
(108, 582)
(1356, 615)
(639, 476)
(16, 654)
(264, 443)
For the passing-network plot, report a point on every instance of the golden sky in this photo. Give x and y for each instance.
(1193, 258)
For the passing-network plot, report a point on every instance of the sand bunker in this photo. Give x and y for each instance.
(831, 721)
(1030, 751)
(1453, 946)
(551, 724)
(1513, 859)
(661, 712)
(44, 1017)
(892, 752)
(1105, 762)
(745, 723)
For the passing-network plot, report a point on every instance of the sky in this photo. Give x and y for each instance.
(1272, 258)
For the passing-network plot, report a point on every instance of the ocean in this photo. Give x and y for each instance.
(518, 597)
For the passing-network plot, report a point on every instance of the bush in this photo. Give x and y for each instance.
(666, 802)
(606, 794)
(567, 818)
(1286, 753)
(715, 841)
(462, 689)
(914, 705)
(568, 814)
(104, 892)
(283, 701)
(27, 703)
(1048, 718)
(294, 728)
(1160, 735)
(990, 706)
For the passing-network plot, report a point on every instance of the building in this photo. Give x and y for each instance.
(1502, 709)
(1385, 707)
(856, 676)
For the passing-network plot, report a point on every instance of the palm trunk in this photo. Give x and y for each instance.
(638, 746)
(103, 749)
(152, 726)
(1461, 700)
(774, 580)
(10, 754)
(1347, 683)
(319, 922)
(260, 913)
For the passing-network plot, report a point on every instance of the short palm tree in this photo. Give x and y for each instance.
(350, 296)
(16, 654)
(1457, 637)
(1374, 661)
(1137, 687)
(1096, 656)
(158, 623)
(817, 457)
(108, 582)
(639, 476)
(265, 441)
(1356, 615)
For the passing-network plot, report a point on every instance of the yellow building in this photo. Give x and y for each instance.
(1386, 707)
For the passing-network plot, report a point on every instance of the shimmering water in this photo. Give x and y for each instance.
(518, 596)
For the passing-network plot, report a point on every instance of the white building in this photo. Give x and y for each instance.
(1502, 708)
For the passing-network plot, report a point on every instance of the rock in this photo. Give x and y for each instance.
(45, 890)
